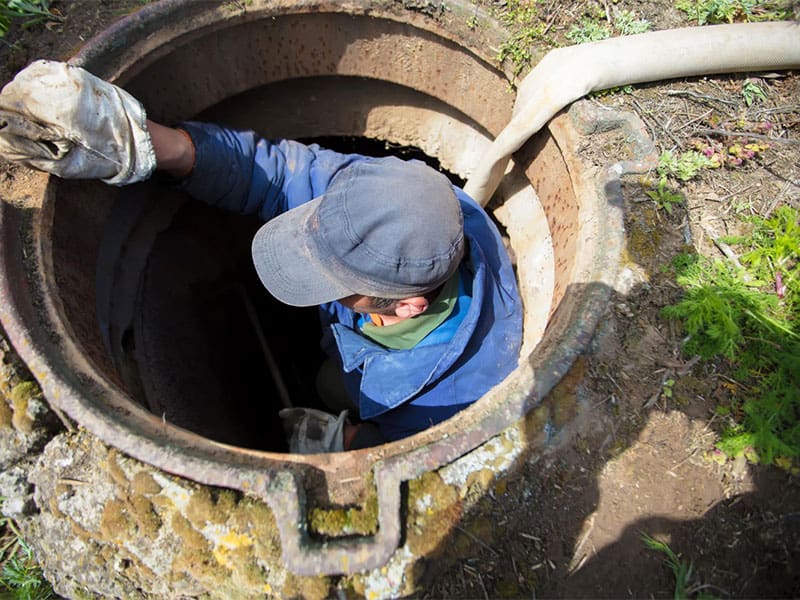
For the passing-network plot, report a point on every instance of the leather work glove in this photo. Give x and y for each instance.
(312, 431)
(62, 119)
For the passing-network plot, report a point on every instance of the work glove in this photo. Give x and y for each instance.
(62, 119)
(312, 431)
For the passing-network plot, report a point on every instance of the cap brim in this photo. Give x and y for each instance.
(285, 262)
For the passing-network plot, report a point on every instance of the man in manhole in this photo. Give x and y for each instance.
(418, 301)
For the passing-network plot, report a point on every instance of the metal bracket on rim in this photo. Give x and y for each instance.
(305, 556)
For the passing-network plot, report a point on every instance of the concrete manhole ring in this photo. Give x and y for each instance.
(155, 503)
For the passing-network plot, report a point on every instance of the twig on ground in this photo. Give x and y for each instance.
(735, 192)
(475, 539)
(725, 249)
(696, 96)
(698, 118)
(477, 575)
(755, 136)
(553, 17)
(646, 117)
(790, 108)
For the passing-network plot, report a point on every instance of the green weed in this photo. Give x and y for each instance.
(751, 318)
(31, 12)
(589, 30)
(521, 17)
(751, 92)
(21, 577)
(730, 11)
(683, 166)
(595, 28)
(626, 23)
(682, 571)
(663, 196)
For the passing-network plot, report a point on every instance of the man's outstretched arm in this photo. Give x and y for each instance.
(173, 148)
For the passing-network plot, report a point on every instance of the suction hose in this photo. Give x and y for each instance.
(566, 74)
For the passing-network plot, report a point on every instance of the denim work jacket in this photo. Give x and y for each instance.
(402, 391)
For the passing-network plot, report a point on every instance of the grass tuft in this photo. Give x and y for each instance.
(31, 12)
(20, 575)
(682, 571)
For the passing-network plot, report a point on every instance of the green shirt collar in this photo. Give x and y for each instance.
(408, 333)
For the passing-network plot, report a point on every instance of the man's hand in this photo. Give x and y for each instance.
(312, 431)
(62, 119)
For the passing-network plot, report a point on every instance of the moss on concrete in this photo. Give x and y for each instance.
(202, 566)
(256, 517)
(563, 398)
(432, 506)
(210, 505)
(144, 515)
(192, 538)
(644, 237)
(360, 520)
(5, 413)
(143, 483)
(306, 588)
(475, 534)
(20, 396)
(114, 469)
(115, 523)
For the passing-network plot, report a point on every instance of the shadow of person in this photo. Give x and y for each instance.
(745, 546)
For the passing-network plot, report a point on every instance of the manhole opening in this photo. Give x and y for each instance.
(206, 346)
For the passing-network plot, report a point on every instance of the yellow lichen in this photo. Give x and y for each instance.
(228, 543)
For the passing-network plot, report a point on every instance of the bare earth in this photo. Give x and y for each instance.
(569, 524)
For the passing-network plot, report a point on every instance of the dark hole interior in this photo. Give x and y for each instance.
(194, 352)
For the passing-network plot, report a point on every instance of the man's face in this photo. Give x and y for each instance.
(364, 305)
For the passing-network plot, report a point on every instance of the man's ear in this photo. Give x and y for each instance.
(411, 307)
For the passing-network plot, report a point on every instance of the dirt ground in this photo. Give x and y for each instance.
(569, 524)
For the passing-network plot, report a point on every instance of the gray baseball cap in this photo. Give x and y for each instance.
(384, 227)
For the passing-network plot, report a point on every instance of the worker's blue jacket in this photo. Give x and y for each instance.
(402, 391)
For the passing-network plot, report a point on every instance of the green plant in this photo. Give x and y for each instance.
(683, 166)
(521, 17)
(751, 92)
(663, 197)
(728, 11)
(21, 575)
(682, 571)
(32, 11)
(595, 28)
(626, 23)
(750, 317)
(588, 30)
